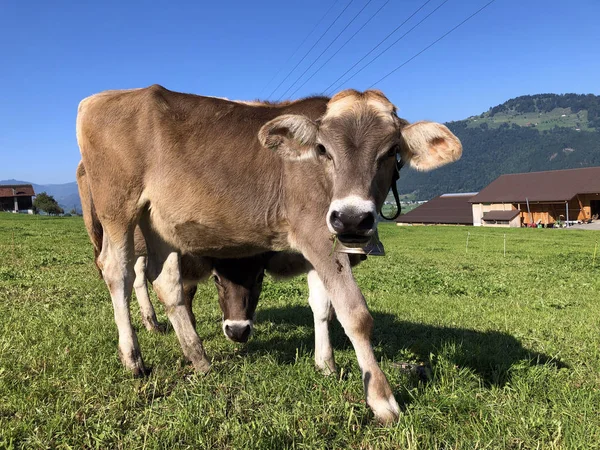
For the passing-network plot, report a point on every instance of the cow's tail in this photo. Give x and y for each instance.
(90, 218)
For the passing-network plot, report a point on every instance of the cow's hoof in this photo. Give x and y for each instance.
(134, 364)
(326, 367)
(155, 327)
(142, 372)
(202, 366)
(386, 411)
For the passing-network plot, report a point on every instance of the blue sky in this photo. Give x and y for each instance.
(56, 53)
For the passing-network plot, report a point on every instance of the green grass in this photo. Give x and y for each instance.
(513, 344)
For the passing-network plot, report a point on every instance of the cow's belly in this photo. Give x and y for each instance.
(219, 237)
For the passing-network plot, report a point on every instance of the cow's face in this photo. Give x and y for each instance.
(358, 140)
(239, 284)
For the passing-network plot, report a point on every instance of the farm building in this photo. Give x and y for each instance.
(447, 209)
(16, 197)
(539, 198)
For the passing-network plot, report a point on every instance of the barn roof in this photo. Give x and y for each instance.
(553, 185)
(445, 209)
(501, 215)
(16, 190)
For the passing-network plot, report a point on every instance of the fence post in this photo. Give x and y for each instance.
(467, 246)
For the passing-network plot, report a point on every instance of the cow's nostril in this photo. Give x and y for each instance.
(336, 221)
(367, 222)
(245, 334)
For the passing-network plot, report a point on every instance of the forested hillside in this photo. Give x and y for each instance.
(525, 134)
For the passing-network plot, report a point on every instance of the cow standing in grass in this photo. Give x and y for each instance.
(196, 174)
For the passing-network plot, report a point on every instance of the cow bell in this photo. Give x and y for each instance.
(373, 248)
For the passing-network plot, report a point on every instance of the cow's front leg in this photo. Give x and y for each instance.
(323, 313)
(350, 307)
(169, 288)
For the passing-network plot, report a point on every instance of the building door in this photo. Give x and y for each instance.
(595, 207)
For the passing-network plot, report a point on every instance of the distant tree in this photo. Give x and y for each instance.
(73, 212)
(45, 202)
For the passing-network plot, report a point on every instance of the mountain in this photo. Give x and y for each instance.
(525, 134)
(65, 194)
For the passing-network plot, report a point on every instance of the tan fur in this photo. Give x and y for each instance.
(341, 104)
(292, 135)
(347, 102)
(429, 145)
(192, 172)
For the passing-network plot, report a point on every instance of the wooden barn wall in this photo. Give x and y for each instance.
(549, 213)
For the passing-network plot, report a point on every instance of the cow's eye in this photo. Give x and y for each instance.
(392, 151)
(322, 151)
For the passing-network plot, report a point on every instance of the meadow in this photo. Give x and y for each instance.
(483, 350)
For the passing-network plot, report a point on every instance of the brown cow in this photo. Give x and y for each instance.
(197, 176)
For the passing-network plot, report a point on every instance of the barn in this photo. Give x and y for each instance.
(446, 209)
(541, 198)
(16, 198)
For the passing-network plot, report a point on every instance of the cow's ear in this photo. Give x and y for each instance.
(429, 145)
(292, 136)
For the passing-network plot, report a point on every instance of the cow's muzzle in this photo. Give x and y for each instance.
(352, 220)
(237, 330)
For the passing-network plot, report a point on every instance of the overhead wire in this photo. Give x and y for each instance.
(339, 49)
(380, 42)
(313, 46)
(391, 45)
(433, 43)
(299, 47)
(326, 48)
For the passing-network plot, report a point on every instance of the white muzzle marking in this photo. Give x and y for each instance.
(236, 324)
(356, 205)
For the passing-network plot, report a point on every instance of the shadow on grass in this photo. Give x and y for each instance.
(489, 354)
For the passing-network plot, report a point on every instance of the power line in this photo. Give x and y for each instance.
(375, 48)
(326, 48)
(339, 49)
(306, 54)
(299, 47)
(433, 43)
(391, 45)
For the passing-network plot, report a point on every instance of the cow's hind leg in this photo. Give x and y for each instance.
(323, 313)
(141, 293)
(116, 260)
(165, 275)
(189, 291)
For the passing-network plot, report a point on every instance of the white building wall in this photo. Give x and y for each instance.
(480, 208)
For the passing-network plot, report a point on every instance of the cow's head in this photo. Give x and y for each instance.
(358, 140)
(239, 284)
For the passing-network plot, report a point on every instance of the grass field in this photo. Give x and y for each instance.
(513, 343)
